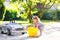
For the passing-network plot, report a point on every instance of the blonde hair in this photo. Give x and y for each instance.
(36, 17)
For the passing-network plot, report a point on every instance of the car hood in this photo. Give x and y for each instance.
(16, 26)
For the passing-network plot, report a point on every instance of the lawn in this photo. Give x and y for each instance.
(26, 22)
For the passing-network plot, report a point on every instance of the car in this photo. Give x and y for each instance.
(12, 28)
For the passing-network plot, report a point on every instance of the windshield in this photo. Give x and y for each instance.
(12, 23)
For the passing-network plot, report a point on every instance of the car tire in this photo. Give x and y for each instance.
(8, 32)
(2, 32)
(23, 32)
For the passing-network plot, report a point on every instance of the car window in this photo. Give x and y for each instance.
(12, 24)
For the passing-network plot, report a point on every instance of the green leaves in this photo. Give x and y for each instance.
(13, 0)
(2, 1)
(24, 16)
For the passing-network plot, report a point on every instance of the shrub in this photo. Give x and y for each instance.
(58, 15)
(48, 15)
(10, 15)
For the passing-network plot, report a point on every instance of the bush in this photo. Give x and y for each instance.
(10, 15)
(48, 15)
(58, 15)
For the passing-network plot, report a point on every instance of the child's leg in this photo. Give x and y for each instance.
(41, 32)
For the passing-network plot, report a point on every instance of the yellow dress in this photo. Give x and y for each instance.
(33, 31)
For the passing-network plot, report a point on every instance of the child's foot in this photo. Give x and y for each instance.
(40, 34)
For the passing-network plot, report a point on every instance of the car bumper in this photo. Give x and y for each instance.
(17, 32)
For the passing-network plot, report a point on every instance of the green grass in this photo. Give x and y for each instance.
(26, 22)
(20, 22)
(50, 21)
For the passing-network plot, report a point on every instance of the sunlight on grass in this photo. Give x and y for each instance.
(26, 22)
(20, 22)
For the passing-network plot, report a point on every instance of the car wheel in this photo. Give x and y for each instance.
(23, 32)
(2, 32)
(8, 32)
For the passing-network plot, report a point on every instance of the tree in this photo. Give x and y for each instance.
(2, 11)
(45, 5)
(30, 6)
(11, 7)
(42, 5)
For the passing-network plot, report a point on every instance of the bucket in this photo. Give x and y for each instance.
(33, 32)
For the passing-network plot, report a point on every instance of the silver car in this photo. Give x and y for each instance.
(12, 28)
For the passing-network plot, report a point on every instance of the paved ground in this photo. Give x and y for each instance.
(51, 32)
